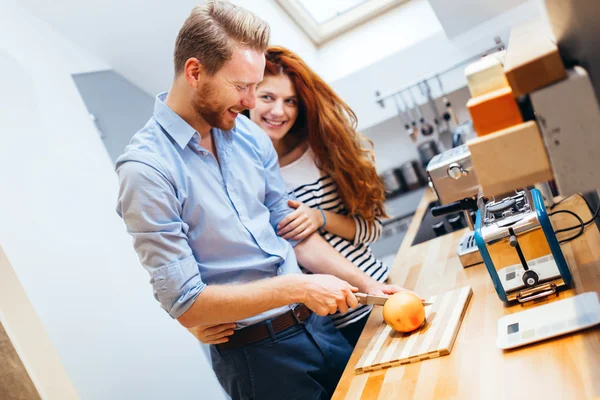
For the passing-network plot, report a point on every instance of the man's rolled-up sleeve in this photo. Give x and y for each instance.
(152, 213)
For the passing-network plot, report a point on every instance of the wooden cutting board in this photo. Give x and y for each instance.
(435, 338)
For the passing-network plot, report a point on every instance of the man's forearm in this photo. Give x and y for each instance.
(218, 304)
(319, 257)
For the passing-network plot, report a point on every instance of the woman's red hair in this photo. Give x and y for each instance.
(329, 124)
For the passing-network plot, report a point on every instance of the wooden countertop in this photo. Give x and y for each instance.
(566, 367)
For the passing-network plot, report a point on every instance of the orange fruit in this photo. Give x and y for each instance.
(404, 312)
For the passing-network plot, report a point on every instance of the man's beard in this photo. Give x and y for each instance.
(207, 106)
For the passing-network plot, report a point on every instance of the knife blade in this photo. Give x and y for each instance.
(377, 300)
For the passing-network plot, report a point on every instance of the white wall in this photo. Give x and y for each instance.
(428, 56)
(63, 238)
(377, 39)
(136, 37)
(459, 16)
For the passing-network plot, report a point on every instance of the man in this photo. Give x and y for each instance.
(201, 194)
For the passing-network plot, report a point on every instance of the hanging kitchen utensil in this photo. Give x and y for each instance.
(426, 128)
(445, 135)
(449, 113)
(413, 113)
(379, 101)
(426, 92)
(401, 110)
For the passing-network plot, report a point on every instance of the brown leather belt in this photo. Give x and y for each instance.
(260, 331)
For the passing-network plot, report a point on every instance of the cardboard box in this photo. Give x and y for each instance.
(494, 111)
(511, 159)
(532, 59)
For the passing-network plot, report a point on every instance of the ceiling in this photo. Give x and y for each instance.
(136, 37)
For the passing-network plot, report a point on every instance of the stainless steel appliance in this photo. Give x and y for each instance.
(467, 250)
(520, 249)
(452, 177)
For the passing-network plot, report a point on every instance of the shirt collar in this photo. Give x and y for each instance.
(175, 126)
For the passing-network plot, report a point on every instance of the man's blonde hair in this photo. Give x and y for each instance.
(212, 31)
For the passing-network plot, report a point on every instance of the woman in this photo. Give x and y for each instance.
(326, 169)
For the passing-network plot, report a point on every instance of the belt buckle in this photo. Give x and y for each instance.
(295, 313)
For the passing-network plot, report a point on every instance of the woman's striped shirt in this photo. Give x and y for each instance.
(308, 184)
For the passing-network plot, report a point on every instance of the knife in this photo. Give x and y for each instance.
(375, 299)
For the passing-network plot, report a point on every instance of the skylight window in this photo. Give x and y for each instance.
(324, 20)
(324, 11)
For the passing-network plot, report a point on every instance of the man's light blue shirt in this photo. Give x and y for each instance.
(196, 221)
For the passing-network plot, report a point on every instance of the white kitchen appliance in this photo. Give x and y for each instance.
(549, 320)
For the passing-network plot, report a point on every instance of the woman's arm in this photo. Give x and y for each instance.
(305, 220)
(340, 225)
